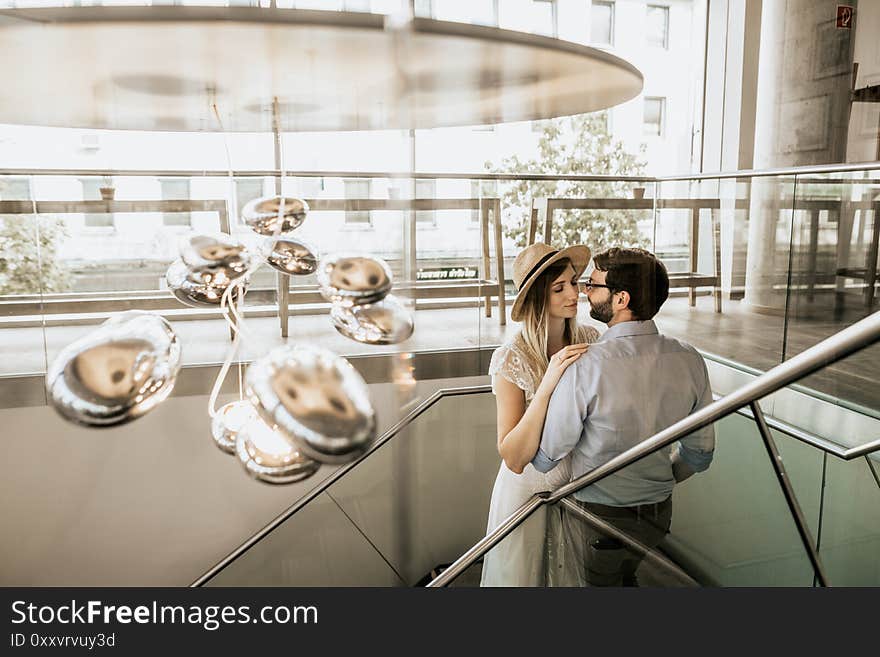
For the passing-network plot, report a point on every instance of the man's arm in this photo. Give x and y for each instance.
(565, 418)
(694, 453)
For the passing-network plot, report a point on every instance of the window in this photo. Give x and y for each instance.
(602, 23)
(655, 114)
(15, 189)
(175, 189)
(424, 8)
(544, 19)
(658, 26)
(92, 192)
(310, 187)
(426, 189)
(356, 5)
(476, 12)
(246, 190)
(357, 189)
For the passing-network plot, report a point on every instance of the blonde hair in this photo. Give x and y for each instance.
(534, 335)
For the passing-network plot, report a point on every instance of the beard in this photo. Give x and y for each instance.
(602, 311)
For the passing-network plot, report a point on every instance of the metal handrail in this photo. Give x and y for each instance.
(842, 344)
(847, 454)
(269, 173)
(338, 474)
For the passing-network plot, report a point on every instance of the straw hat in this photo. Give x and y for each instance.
(533, 260)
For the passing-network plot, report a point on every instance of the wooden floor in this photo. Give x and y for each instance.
(764, 341)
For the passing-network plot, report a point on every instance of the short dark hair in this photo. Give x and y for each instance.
(638, 272)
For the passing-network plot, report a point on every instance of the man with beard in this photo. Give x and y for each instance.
(631, 384)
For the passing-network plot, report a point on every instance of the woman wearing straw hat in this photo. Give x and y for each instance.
(525, 371)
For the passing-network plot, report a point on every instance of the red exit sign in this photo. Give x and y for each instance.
(845, 16)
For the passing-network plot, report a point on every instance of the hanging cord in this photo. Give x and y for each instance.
(225, 307)
(232, 300)
(230, 356)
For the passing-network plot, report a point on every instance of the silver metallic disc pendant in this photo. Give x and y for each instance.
(229, 420)
(267, 456)
(383, 322)
(116, 373)
(317, 400)
(274, 215)
(218, 255)
(198, 290)
(353, 279)
(293, 257)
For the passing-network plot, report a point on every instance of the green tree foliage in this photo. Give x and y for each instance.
(20, 259)
(575, 145)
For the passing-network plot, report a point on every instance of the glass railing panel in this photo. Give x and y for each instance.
(611, 546)
(321, 548)
(731, 525)
(721, 531)
(423, 498)
(726, 246)
(849, 543)
(529, 556)
(418, 501)
(834, 280)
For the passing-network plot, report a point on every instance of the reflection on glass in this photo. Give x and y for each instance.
(410, 508)
(746, 536)
(850, 540)
(834, 276)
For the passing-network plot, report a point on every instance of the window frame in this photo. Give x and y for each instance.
(554, 17)
(95, 220)
(425, 218)
(348, 215)
(662, 122)
(611, 21)
(666, 12)
(176, 219)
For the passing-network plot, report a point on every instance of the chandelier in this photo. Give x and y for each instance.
(302, 405)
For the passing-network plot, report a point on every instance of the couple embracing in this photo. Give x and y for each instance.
(569, 400)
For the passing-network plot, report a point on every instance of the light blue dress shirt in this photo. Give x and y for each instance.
(631, 384)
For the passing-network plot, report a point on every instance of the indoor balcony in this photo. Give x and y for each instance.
(765, 265)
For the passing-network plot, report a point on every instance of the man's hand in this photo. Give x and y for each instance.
(680, 469)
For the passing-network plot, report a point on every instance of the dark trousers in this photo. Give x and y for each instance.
(608, 562)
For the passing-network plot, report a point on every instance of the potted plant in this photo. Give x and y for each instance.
(108, 191)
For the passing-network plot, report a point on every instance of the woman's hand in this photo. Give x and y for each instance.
(559, 362)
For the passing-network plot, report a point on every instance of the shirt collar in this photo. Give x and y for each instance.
(625, 329)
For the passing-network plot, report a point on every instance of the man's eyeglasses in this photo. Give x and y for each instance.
(590, 284)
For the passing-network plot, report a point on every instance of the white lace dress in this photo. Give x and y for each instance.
(534, 554)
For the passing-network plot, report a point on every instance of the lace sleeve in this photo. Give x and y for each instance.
(506, 362)
(588, 334)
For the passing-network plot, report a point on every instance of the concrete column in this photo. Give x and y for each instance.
(801, 117)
